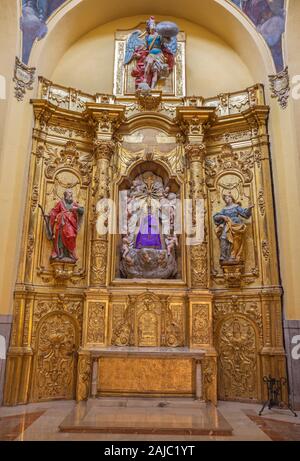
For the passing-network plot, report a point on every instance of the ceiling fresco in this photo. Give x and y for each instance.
(267, 15)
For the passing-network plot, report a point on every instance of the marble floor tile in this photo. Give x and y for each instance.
(41, 421)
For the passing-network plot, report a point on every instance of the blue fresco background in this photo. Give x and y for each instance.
(33, 22)
(267, 15)
(269, 19)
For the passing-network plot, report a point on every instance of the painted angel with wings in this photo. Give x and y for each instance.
(154, 52)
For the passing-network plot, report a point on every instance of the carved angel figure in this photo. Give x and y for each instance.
(154, 52)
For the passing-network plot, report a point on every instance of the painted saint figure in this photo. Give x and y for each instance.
(64, 222)
(154, 52)
(231, 229)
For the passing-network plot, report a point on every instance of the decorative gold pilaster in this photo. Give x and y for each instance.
(84, 376)
(194, 122)
(104, 119)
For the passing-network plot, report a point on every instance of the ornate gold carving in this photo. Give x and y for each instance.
(199, 265)
(174, 326)
(229, 160)
(55, 360)
(249, 309)
(146, 375)
(148, 320)
(62, 304)
(261, 202)
(84, 372)
(122, 325)
(265, 248)
(233, 274)
(201, 324)
(104, 149)
(149, 101)
(70, 158)
(98, 263)
(62, 271)
(34, 197)
(30, 245)
(195, 152)
(209, 379)
(96, 323)
(237, 348)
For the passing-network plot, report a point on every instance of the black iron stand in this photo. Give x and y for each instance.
(275, 394)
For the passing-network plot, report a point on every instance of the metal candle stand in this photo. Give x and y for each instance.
(275, 394)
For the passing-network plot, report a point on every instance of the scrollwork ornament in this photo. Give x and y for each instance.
(23, 78)
(99, 262)
(280, 87)
(83, 377)
(96, 323)
(199, 265)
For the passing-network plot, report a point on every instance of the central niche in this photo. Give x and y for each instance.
(149, 246)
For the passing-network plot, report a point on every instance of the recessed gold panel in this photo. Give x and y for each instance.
(146, 375)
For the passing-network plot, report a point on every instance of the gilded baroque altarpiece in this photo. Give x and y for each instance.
(76, 325)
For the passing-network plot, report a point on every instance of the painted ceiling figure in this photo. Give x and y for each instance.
(154, 52)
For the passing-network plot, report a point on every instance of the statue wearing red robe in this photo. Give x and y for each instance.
(64, 222)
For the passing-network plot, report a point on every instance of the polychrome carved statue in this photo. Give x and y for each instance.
(63, 225)
(154, 52)
(231, 229)
(148, 249)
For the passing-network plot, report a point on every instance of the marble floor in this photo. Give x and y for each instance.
(100, 419)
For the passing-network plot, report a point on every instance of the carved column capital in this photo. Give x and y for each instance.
(195, 152)
(105, 119)
(103, 149)
(194, 121)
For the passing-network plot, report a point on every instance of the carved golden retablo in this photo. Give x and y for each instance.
(221, 302)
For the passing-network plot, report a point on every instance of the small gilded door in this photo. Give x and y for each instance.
(54, 364)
